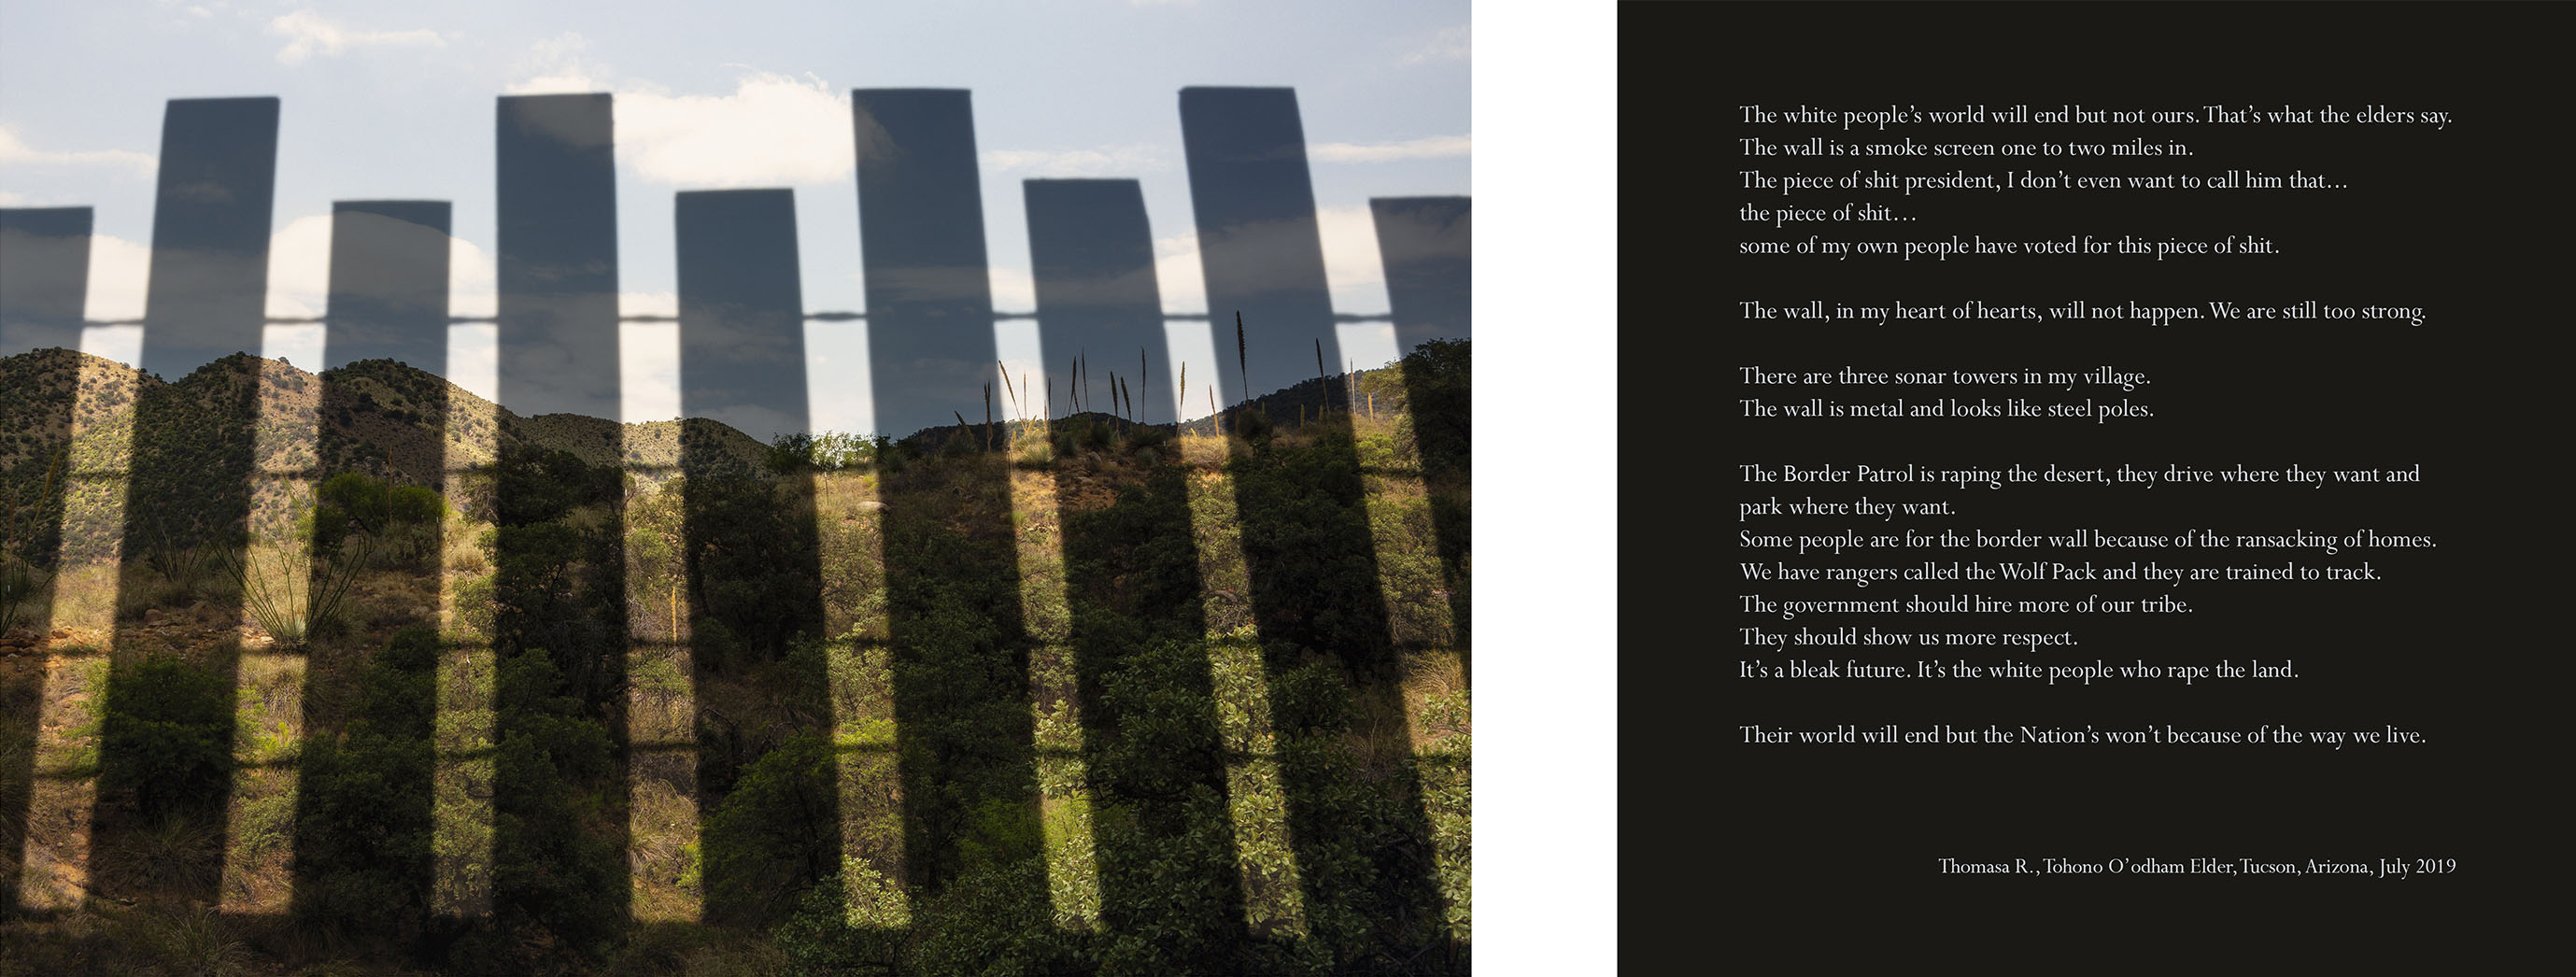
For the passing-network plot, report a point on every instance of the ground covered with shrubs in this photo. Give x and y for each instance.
(1084, 697)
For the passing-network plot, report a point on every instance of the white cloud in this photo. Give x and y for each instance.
(474, 358)
(1451, 44)
(123, 344)
(294, 343)
(1178, 276)
(299, 268)
(473, 278)
(773, 130)
(120, 271)
(565, 83)
(308, 34)
(1352, 267)
(1427, 147)
(8, 199)
(1014, 289)
(557, 66)
(15, 152)
(648, 359)
(837, 390)
(1105, 161)
(299, 276)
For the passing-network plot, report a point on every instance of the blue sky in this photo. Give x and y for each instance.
(396, 101)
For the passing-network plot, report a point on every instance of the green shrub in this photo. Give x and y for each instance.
(776, 832)
(167, 738)
(363, 820)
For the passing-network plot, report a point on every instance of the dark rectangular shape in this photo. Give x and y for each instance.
(1092, 255)
(1258, 242)
(558, 255)
(208, 290)
(558, 347)
(1427, 247)
(751, 555)
(193, 466)
(44, 277)
(742, 311)
(389, 265)
(921, 242)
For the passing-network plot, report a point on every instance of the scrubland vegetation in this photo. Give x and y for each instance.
(1086, 696)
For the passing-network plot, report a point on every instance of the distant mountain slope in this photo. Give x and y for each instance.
(381, 417)
(407, 425)
(385, 412)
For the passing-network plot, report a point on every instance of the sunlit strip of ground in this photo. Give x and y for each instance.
(55, 859)
(849, 515)
(1256, 797)
(461, 798)
(1436, 709)
(278, 580)
(661, 720)
(1073, 870)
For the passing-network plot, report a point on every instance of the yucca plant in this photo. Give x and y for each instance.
(170, 553)
(288, 590)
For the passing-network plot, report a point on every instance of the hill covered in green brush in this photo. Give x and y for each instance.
(1080, 697)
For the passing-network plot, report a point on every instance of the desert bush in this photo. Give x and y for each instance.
(778, 830)
(363, 820)
(826, 451)
(552, 870)
(167, 736)
(401, 520)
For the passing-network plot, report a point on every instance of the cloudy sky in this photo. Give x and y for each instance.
(396, 101)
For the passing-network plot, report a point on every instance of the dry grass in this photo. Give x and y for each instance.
(1435, 697)
(173, 851)
(193, 940)
(663, 853)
